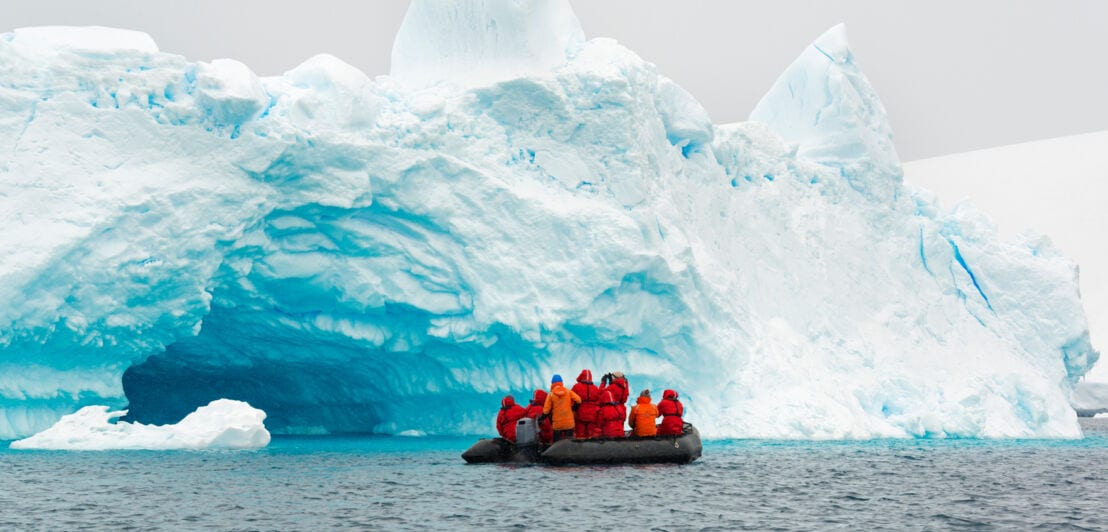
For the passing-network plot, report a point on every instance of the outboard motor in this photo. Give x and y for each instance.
(527, 432)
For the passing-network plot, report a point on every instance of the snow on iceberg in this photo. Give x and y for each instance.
(222, 424)
(366, 255)
(824, 104)
(479, 41)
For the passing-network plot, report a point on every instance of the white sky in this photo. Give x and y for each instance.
(955, 75)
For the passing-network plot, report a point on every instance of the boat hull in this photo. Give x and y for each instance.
(654, 450)
(499, 450)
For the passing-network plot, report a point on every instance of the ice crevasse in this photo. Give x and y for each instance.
(394, 254)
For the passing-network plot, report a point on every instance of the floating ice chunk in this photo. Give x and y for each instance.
(85, 39)
(1090, 397)
(475, 42)
(824, 104)
(222, 424)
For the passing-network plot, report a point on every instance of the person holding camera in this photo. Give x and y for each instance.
(616, 383)
(609, 418)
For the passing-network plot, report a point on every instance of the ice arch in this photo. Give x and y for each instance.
(351, 254)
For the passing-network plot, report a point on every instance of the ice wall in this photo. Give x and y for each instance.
(394, 254)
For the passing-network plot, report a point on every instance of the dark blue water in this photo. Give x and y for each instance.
(419, 483)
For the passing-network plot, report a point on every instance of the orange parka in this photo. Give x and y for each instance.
(642, 417)
(559, 406)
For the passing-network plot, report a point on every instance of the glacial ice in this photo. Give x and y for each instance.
(222, 424)
(393, 255)
(826, 107)
(475, 42)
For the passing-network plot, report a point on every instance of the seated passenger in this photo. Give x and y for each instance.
(559, 406)
(534, 411)
(510, 412)
(609, 418)
(642, 416)
(586, 426)
(616, 383)
(671, 410)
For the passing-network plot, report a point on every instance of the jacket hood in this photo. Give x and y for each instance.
(585, 376)
(539, 397)
(558, 389)
(507, 402)
(669, 394)
(643, 400)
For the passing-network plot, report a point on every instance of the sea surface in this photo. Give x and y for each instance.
(393, 483)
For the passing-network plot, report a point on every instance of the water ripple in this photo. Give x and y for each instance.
(421, 484)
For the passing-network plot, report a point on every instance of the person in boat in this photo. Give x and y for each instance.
(534, 411)
(642, 416)
(510, 412)
(616, 383)
(609, 417)
(559, 406)
(589, 393)
(671, 410)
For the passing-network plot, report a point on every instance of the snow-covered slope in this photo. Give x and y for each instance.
(351, 254)
(1057, 187)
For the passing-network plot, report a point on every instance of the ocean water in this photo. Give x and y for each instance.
(391, 483)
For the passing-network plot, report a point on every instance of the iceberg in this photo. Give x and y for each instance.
(391, 255)
(1008, 182)
(222, 424)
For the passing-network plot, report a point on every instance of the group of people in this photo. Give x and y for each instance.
(590, 411)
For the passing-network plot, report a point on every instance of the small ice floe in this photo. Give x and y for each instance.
(222, 424)
(412, 433)
(1102, 415)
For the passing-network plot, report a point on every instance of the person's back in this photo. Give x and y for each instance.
(671, 410)
(642, 416)
(559, 406)
(586, 426)
(616, 383)
(609, 418)
(534, 411)
(510, 412)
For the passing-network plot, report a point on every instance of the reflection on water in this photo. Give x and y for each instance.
(416, 483)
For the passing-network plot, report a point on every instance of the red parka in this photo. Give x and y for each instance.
(671, 410)
(534, 410)
(621, 390)
(510, 412)
(586, 426)
(609, 418)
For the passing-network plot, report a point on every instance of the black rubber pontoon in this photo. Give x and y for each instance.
(631, 450)
(499, 450)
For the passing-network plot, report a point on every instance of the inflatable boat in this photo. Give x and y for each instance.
(629, 450)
